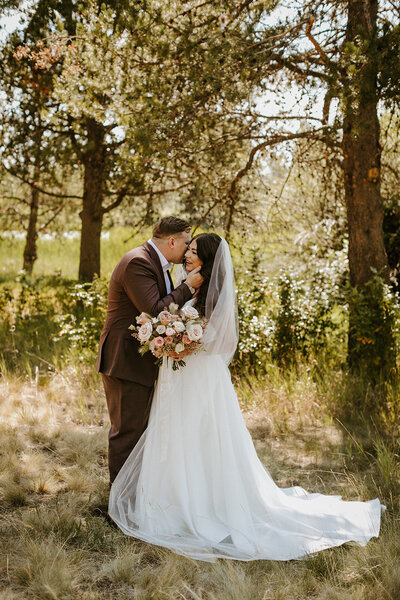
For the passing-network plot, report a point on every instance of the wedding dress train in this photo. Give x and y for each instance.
(194, 483)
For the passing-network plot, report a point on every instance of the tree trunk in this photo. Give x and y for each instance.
(361, 164)
(149, 216)
(362, 153)
(92, 209)
(30, 250)
(229, 214)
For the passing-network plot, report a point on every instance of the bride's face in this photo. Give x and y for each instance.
(191, 259)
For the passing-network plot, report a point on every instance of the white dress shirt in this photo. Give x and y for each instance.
(165, 266)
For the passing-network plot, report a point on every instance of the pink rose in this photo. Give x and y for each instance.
(186, 339)
(143, 318)
(158, 342)
(168, 339)
(169, 331)
(165, 317)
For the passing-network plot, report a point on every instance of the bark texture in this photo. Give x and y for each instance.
(30, 250)
(362, 156)
(94, 161)
(370, 342)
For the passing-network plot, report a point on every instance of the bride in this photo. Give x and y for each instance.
(194, 483)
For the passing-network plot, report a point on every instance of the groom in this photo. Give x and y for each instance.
(141, 282)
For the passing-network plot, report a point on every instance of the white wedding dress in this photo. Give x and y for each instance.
(194, 483)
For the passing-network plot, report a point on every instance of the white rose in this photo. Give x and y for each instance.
(173, 307)
(179, 347)
(160, 329)
(195, 333)
(190, 312)
(178, 326)
(145, 332)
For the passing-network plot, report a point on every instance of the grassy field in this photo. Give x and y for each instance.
(55, 542)
(60, 254)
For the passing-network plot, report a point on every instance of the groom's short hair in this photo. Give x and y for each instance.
(169, 226)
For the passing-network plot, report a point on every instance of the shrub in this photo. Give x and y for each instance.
(373, 333)
(285, 317)
(256, 298)
(84, 308)
(27, 326)
(289, 326)
(49, 320)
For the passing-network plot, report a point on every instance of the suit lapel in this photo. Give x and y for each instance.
(160, 273)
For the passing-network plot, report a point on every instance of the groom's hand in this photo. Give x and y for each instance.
(194, 279)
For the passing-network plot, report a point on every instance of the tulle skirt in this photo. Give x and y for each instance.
(194, 483)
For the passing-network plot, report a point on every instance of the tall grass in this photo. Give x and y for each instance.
(55, 542)
(306, 420)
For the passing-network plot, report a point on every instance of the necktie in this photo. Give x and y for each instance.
(170, 278)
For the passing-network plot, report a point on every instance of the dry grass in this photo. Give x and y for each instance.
(55, 542)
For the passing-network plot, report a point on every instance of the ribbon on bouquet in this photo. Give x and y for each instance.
(165, 393)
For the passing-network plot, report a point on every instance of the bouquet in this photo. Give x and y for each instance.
(171, 333)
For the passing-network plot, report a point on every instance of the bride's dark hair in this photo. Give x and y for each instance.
(207, 246)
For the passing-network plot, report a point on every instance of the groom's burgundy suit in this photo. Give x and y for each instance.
(137, 285)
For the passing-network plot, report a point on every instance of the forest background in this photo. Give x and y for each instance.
(276, 125)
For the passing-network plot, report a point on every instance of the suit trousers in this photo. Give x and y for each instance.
(129, 408)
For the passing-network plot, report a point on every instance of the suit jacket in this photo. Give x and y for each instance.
(137, 285)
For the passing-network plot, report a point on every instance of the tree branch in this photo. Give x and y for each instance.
(208, 211)
(276, 37)
(73, 139)
(392, 169)
(277, 139)
(315, 43)
(56, 213)
(6, 197)
(120, 196)
(39, 189)
(282, 61)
